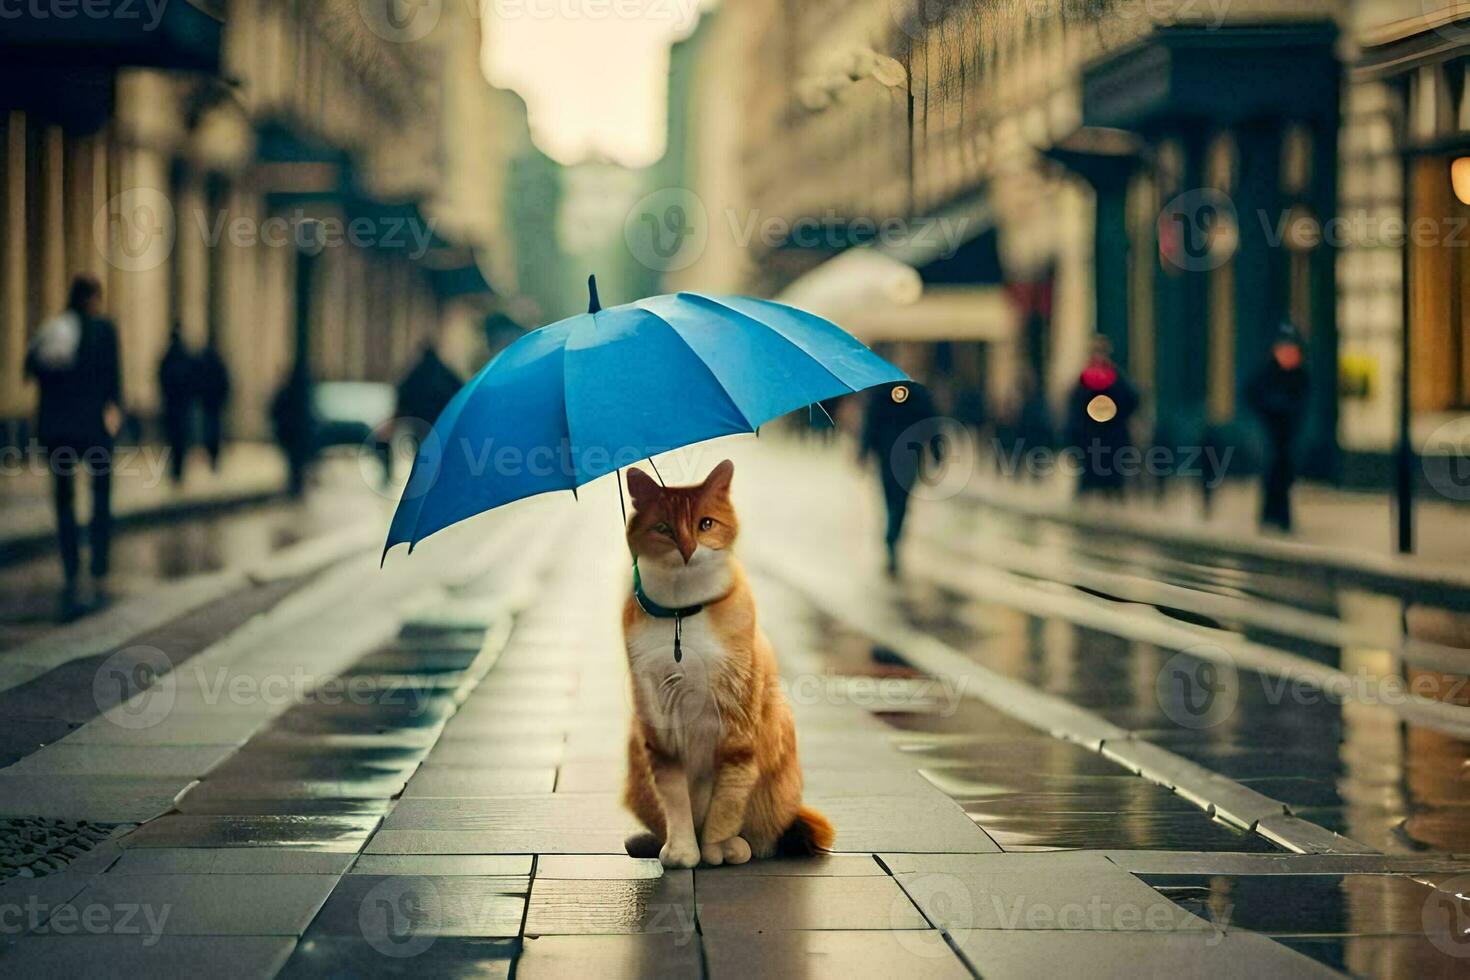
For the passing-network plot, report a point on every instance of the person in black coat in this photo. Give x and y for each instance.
(212, 383)
(428, 387)
(1098, 412)
(893, 434)
(74, 359)
(1278, 395)
(294, 422)
(176, 385)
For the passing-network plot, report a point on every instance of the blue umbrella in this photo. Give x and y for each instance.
(583, 397)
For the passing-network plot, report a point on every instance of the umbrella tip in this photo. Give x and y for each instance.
(593, 303)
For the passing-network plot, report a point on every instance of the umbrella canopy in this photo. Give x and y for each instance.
(583, 397)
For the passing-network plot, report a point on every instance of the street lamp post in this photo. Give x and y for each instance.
(1404, 452)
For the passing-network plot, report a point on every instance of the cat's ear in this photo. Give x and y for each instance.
(641, 487)
(719, 478)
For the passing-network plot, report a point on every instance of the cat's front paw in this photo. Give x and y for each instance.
(732, 851)
(679, 854)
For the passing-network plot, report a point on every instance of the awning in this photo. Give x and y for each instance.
(877, 298)
(180, 34)
(1103, 157)
(1224, 75)
(940, 280)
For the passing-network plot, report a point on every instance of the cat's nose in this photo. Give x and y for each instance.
(686, 550)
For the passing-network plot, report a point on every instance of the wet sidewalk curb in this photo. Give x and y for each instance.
(1394, 572)
(18, 544)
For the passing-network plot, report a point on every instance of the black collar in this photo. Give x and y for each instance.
(654, 609)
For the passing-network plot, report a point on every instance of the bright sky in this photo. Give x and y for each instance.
(594, 73)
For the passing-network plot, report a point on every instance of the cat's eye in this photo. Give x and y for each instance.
(706, 523)
(662, 527)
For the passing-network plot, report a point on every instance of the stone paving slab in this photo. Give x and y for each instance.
(66, 759)
(1006, 954)
(229, 861)
(662, 905)
(468, 783)
(833, 865)
(217, 728)
(382, 908)
(1081, 900)
(496, 865)
(101, 799)
(1178, 862)
(1325, 904)
(318, 833)
(545, 817)
(865, 955)
(603, 866)
(244, 807)
(637, 956)
(1048, 862)
(215, 905)
(774, 903)
(477, 754)
(892, 823)
(356, 956)
(370, 787)
(1415, 957)
(127, 958)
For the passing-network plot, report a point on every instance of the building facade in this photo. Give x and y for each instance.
(1183, 178)
(295, 179)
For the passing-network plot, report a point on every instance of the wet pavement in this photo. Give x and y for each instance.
(146, 556)
(1020, 775)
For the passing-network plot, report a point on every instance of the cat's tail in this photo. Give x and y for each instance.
(643, 845)
(810, 833)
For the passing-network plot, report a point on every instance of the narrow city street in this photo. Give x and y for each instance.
(439, 439)
(1037, 745)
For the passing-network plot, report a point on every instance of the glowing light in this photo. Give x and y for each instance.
(1102, 409)
(1460, 179)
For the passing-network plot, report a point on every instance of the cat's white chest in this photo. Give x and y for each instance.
(678, 696)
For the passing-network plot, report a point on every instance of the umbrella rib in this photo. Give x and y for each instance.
(777, 332)
(449, 436)
(704, 364)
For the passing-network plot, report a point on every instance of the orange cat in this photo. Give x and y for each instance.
(712, 768)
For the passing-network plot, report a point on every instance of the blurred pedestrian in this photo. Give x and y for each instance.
(212, 382)
(292, 418)
(176, 385)
(1033, 425)
(426, 389)
(1098, 412)
(895, 435)
(1278, 394)
(74, 359)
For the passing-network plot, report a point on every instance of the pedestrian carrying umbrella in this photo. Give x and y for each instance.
(588, 395)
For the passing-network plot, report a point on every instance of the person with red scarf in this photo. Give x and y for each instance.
(1278, 395)
(1098, 413)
